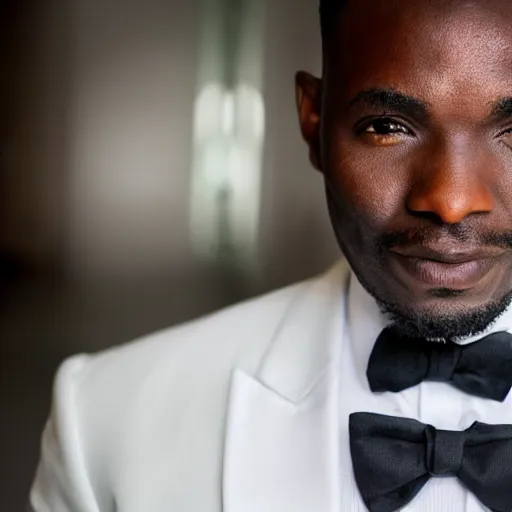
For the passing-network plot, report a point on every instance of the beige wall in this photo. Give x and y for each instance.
(131, 105)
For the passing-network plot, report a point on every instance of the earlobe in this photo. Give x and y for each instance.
(308, 98)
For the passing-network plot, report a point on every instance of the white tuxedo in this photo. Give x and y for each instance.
(236, 412)
(244, 411)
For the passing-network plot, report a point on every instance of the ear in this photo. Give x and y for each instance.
(309, 100)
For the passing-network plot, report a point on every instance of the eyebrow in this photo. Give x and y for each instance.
(502, 109)
(393, 100)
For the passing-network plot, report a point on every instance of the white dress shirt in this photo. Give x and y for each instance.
(435, 403)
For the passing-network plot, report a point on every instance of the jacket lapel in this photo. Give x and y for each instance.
(282, 437)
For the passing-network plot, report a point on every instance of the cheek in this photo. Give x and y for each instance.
(500, 179)
(370, 182)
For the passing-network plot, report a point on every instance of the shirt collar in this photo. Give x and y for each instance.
(366, 322)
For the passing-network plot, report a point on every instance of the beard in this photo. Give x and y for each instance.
(368, 261)
(450, 326)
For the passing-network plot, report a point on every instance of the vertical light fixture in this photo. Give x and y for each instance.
(228, 132)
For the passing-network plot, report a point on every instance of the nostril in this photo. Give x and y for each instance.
(431, 217)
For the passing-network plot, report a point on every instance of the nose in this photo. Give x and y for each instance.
(451, 187)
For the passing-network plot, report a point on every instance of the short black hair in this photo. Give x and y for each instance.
(329, 10)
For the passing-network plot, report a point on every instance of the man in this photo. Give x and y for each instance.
(358, 389)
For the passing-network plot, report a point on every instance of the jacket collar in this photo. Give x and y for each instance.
(304, 343)
(282, 435)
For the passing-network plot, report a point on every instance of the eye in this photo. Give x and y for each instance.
(386, 126)
(383, 131)
(506, 137)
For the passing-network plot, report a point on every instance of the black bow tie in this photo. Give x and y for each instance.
(393, 458)
(483, 368)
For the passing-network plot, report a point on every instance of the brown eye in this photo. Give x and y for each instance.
(386, 126)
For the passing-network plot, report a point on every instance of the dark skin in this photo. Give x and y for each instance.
(411, 128)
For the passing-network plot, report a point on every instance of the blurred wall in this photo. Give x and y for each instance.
(107, 97)
(32, 137)
(296, 238)
(133, 69)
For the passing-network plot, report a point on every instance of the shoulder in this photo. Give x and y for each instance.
(103, 402)
(210, 347)
(243, 329)
(106, 405)
(194, 358)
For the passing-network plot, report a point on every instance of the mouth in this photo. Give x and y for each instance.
(449, 267)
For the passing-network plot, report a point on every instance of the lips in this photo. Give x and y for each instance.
(449, 267)
(448, 252)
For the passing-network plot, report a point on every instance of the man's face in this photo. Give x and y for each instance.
(412, 130)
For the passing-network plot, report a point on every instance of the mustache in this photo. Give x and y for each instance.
(453, 233)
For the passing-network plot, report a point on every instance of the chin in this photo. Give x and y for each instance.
(444, 313)
(449, 301)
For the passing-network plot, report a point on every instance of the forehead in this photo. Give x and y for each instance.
(437, 50)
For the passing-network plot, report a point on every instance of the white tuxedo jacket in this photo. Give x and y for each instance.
(236, 412)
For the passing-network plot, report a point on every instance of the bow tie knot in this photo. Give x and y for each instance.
(442, 361)
(445, 451)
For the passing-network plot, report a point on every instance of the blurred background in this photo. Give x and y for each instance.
(151, 171)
